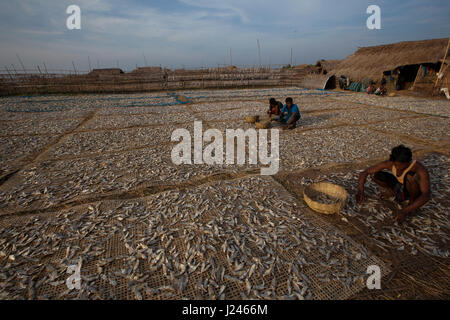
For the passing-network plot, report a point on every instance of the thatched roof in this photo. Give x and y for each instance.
(370, 62)
(147, 70)
(106, 71)
(327, 65)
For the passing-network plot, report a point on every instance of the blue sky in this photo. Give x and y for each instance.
(193, 33)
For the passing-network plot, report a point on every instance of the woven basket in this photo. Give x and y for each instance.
(251, 119)
(262, 125)
(330, 189)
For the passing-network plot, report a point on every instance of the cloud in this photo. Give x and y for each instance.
(221, 6)
(194, 31)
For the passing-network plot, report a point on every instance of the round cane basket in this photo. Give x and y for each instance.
(329, 189)
(251, 119)
(262, 125)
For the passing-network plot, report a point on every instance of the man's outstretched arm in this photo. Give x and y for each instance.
(363, 176)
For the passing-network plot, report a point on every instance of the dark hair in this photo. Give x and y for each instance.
(401, 154)
(272, 101)
(289, 100)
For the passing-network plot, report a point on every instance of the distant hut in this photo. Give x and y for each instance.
(405, 65)
(227, 69)
(325, 66)
(320, 75)
(147, 70)
(106, 72)
(297, 73)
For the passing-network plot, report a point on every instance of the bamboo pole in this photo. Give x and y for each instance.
(443, 62)
(291, 58)
(259, 53)
(20, 60)
(15, 71)
(417, 77)
(145, 60)
(7, 70)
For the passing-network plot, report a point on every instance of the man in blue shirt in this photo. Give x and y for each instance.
(290, 114)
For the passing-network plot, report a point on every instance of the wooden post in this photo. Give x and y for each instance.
(231, 57)
(291, 58)
(7, 70)
(442, 64)
(23, 67)
(145, 60)
(15, 71)
(417, 76)
(259, 53)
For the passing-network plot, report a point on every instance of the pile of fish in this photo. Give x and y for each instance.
(146, 119)
(427, 231)
(368, 114)
(414, 104)
(53, 182)
(86, 144)
(257, 94)
(31, 126)
(116, 111)
(245, 238)
(13, 148)
(321, 197)
(64, 104)
(205, 108)
(432, 129)
(241, 239)
(314, 148)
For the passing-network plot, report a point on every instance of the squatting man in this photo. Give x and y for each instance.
(408, 182)
(287, 115)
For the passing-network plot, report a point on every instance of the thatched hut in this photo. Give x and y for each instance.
(106, 71)
(401, 64)
(147, 70)
(325, 66)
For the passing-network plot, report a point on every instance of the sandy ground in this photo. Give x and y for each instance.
(89, 180)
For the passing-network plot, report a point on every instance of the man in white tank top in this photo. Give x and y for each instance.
(408, 180)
